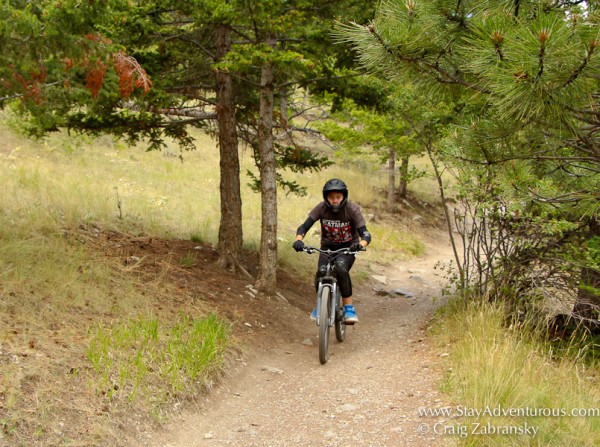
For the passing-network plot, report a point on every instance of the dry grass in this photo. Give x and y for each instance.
(495, 367)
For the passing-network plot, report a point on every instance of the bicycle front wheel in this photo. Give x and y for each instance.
(324, 324)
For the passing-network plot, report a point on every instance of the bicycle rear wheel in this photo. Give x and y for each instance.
(324, 324)
(340, 325)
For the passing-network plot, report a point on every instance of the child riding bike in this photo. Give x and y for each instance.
(342, 226)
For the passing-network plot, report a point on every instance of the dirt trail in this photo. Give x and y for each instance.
(368, 394)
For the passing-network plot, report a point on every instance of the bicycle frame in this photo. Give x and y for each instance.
(329, 279)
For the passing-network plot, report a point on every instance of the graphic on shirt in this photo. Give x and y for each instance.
(336, 231)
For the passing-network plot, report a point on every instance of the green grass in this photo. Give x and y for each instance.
(132, 357)
(493, 366)
(189, 260)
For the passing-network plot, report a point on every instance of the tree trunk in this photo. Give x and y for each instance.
(283, 107)
(587, 306)
(267, 277)
(391, 178)
(403, 188)
(438, 176)
(285, 134)
(230, 228)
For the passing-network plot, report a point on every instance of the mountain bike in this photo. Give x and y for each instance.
(330, 308)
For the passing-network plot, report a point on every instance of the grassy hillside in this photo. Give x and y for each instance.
(89, 327)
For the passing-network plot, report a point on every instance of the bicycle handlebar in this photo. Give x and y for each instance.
(346, 250)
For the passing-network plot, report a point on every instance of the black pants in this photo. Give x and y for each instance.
(343, 264)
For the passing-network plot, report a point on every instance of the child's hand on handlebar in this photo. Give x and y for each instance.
(298, 245)
(357, 247)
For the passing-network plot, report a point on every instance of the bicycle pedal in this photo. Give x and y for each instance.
(349, 323)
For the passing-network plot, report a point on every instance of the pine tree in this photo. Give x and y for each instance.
(527, 73)
(151, 70)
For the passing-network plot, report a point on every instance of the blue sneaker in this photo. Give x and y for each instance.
(313, 315)
(350, 314)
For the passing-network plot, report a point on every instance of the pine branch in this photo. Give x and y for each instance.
(197, 44)
(197, 115)
(445, 76)
(571, 197)
(21, 95)
(584, 63)
(543, 38)
(322, 78)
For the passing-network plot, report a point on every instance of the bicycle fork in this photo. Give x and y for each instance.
(332, 301)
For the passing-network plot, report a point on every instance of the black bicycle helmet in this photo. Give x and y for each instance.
(335, 185)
